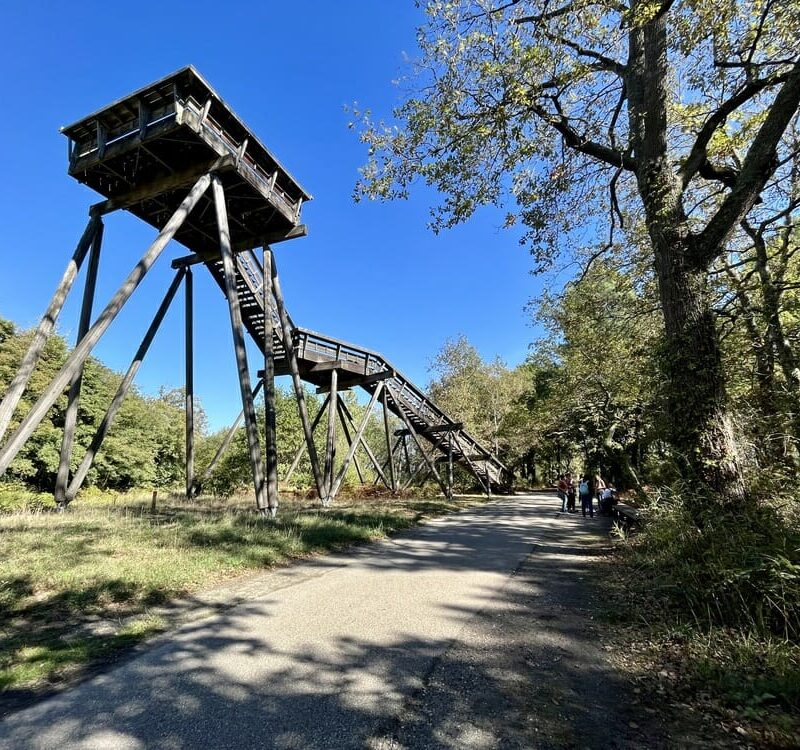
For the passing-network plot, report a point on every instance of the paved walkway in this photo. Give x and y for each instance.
(466, 632)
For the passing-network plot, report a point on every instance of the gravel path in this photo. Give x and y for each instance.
(473, 631)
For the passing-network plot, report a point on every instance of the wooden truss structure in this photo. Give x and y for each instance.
(176, 156)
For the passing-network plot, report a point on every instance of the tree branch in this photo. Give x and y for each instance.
(575, 141)
(697, 161)
(756, 170)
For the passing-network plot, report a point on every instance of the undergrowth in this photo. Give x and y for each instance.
(717, 594)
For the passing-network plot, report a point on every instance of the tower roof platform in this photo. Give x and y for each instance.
(145, 150)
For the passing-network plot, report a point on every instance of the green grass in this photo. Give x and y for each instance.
(110, 560)
(714, 601)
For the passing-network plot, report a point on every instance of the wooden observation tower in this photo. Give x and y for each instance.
(175, 155)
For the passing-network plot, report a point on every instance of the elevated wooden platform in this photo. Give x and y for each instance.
(143, 151)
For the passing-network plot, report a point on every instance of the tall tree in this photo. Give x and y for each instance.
(574, 108)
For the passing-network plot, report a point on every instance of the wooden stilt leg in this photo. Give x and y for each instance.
(224, 445)
(352, 451)
(330, 444)
(81, 351)
(303, 446)
(189, 341)
(450, 465)
(45, 328)
(405, 451)
(389, 449)
(294, 368)
(270, 430)
(122, 390)
(73, 400)
(421, 450)
(348, 437)
(237, 330)
(364, 444)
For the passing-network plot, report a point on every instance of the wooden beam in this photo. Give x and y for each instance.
(162, 185)
(333, 365)
(299, 454)
(79, 354)
(389, 449)
(413, 433)
(45, 328)
(353, 381)
(194, 258)
(365, 445)
(73, 400)
(330, 443)
(225, 444)
(270, 430)
(349, 438)
(237, 330)
(294, 368)
(352, 451)
(122, 390)
(189, 395)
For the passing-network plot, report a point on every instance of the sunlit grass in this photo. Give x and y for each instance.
(109, 559)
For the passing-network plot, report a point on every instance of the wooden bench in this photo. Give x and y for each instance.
(627, 515)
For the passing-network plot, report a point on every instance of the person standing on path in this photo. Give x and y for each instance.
(570, 493)
(562, 492)
(585, 491)
(599, 486)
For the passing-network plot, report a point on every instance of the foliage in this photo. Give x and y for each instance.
(145, 446)
(567, 116)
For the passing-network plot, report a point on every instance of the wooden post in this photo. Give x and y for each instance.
(82, 350)
(330, 443)
(421, 450)
(248, 406)
(349, 438)
(45, 328)
(405, 450)
(303, 446)
(364, 444)
(352, 451)
(153, 501)
(73, 400)
(225, 444)
(189, 342)
(122, 390)
(389, 449)
(270, 430)
(294, 368)
(449, 465)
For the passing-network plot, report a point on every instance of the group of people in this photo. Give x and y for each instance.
(587, 488)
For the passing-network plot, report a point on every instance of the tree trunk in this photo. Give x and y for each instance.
(701, 429)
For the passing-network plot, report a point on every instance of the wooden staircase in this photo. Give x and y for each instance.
(363, 368)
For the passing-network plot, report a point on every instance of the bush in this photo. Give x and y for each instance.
(16, 497)
(732, 569)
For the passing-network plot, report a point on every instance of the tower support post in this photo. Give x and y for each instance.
(105, 425)
(73, 400)
(94, 334)
(270, 421)
(189, 342)
(294, 368)
(389, 448)
(330, 443)
(45, 328)
(237, 331)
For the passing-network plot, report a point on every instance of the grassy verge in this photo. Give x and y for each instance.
(78, 587)
(707, 614)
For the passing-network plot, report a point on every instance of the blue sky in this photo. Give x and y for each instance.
(370, 273)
